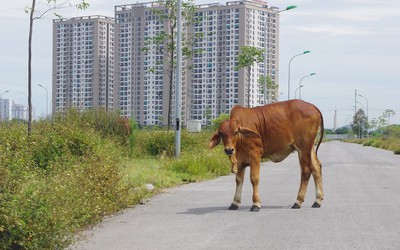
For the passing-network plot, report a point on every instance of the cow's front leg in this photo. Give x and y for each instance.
(238, 194)
(255, 179)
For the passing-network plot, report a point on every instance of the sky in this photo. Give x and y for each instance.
(354, 44)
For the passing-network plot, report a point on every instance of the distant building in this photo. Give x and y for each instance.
(97, 66)
(19, 111)
(5, 109)
(212, 85)
(83, 63)
(10, 110)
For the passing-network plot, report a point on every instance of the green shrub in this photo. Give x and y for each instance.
(55, 182)
(217, 121)
(368, 142)
(107, 124)
(376, 143)
(389, 143)
(75, 169)
(204, 165)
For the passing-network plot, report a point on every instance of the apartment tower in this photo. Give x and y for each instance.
(211, 83)
(83, 63)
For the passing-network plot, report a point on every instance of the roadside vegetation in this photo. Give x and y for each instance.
(377, 132)
(75, 169)
(388, 138)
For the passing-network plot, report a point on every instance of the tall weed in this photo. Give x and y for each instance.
(77, 168)
(389, 143)
(55, 182)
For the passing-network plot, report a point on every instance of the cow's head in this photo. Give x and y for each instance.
(230, 133)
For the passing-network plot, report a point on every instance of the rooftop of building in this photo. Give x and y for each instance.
(256, 3)
(83, 18)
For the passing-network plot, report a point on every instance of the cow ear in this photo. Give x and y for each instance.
(214, 140)
(248, 132)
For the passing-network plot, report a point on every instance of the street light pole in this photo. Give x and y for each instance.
(47, 99)
(304, 52)
(178, 82)
(298, 88)
(266, 47)
(4, 93)
(302, 85)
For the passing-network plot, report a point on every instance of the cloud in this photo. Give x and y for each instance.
(334, 30)
(365, 14)
(346, 10)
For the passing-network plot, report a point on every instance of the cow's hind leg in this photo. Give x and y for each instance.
(317, 176)
(239, 185)
(305, 168)
(255, 179)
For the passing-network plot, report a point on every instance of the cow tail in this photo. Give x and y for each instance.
(321, 131)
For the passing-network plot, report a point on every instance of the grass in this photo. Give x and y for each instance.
(388, 143)
(76, 169)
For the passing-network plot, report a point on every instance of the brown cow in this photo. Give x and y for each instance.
(272, 131)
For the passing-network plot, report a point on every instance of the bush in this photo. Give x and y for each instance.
(389, 143)
(217, 121)
(107, 124)
(200, 166)
(75, 169)
(368, 142)
(55, 182)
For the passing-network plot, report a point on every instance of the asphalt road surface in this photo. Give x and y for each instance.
(361, 209)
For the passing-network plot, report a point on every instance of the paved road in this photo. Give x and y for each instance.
(361, 210)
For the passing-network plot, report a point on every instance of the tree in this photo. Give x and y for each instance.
(387, 114)
(262, 88)
(217, 121)
(385, 118)
(247, 56)
(270, 89)
(35, 15)
(166, 40)
(207, 116)
(360, 123)
(342, 130)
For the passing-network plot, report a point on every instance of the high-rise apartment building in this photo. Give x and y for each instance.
(83, 63)
(141, 84)
(211, 85)
(112, 63)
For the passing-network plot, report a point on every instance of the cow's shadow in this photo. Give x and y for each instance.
(209, 210)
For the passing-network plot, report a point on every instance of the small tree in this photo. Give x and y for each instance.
(166, 40)
(207, 116)
(360, 123)
(387, 114)
(217, 121)
(35, 15)
(247, 56)
(386, 118)
(270, 89)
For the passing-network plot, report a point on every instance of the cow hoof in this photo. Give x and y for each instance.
(296, 206)
(233, 207)
(316, 205)
(254, 209)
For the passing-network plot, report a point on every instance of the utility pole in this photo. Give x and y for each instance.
(335, 119)
(355, 103)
